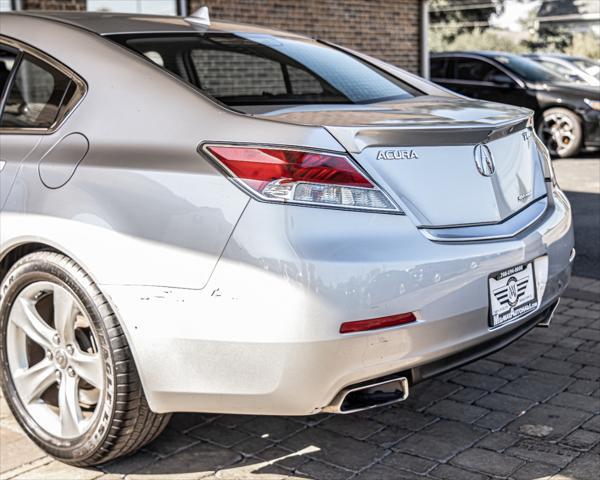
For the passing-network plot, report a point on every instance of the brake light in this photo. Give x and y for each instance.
(300, 177)
(377, 323)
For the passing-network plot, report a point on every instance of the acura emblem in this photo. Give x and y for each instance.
(396, 154)
(484, 160)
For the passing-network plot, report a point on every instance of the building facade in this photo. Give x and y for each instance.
(388, 29)
(570, 15)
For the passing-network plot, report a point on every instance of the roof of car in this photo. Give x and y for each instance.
(481, 53)
(109, 23)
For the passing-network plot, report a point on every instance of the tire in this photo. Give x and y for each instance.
(560, 130)
(94, 409)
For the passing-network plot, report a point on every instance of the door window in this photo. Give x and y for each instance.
(36, 95)
(7, 61)
(474, 70)
(437, 67)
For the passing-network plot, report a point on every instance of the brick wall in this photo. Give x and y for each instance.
(388, 29)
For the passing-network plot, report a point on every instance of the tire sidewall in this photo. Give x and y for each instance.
(33, 268)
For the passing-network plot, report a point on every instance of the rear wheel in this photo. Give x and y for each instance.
(61, 348)
(560, 130)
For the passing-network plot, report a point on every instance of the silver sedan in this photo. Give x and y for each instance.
(212, 217)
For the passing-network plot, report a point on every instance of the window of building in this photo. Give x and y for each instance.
(6, 5)
(155, 7)
(36, 95)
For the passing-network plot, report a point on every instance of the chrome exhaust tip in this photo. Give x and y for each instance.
(545, 323)
(364, 397)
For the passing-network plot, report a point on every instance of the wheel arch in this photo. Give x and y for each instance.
(11, 254)
(14, 253)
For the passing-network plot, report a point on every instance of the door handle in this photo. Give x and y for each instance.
(2, 164)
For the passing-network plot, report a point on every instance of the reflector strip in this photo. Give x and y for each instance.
(377, 323)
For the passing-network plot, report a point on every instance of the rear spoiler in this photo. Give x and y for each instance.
(356, 139)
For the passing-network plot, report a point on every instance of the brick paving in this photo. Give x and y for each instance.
(528, 412)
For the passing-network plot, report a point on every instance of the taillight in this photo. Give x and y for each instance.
(300, 177)
(377, 323)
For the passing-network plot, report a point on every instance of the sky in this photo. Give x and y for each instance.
(513, 12)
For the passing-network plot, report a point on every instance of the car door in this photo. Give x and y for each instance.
(34, 99)
(480, 78)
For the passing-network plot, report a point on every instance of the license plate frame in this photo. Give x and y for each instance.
(512, 294)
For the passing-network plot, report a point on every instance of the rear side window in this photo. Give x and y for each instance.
(257, 69)
(36, 95)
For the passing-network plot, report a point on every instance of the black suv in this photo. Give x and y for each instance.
(568, 115)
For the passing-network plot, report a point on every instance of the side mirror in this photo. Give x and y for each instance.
(573, 78)
(501, 80)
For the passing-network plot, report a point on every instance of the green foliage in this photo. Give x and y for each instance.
(580, 44)
(454, 26)
(475, 40)
(584, 45)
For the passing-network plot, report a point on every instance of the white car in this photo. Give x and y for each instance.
(224, 218)
(575, 69)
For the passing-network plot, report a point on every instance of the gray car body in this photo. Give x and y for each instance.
(234, 305)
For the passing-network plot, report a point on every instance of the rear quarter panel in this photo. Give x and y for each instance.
(143, 207)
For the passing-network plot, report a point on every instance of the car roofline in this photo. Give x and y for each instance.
(102, 24)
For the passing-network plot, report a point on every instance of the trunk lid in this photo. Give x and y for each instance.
(432, 154)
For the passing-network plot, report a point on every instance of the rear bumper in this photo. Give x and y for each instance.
(263, 336)
(541, 317)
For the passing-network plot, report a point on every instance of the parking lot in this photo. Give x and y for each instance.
(529, 412)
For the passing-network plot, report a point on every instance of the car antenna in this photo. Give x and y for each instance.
(199, 17)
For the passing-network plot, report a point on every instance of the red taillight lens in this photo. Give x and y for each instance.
(295, 176)
(260, 166)
(377, 323)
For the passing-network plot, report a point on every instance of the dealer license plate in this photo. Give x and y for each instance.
(512, 294)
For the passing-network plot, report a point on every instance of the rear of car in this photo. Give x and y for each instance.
(437, 228)
(282, 226)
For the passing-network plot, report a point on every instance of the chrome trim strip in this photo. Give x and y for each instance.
(509, 227)
(81, 89)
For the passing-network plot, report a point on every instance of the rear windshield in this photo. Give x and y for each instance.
(257, 69)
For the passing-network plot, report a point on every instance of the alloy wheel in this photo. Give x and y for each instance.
(54, 359)
(557, 132)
